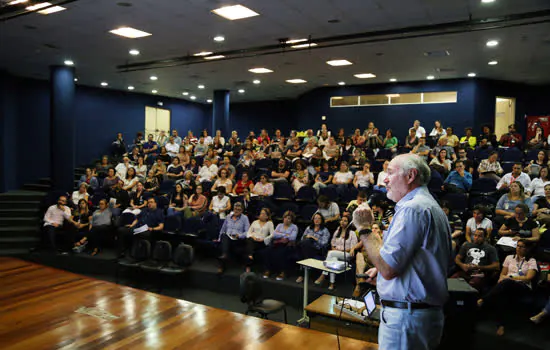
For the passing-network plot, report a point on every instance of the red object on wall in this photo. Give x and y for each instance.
(532, 123)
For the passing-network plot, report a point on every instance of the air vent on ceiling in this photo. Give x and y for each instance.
(437, 53)
(446, 70)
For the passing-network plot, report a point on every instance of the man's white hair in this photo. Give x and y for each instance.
(363, 217)
(409, 161)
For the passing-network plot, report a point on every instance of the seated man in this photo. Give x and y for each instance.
(459, 180)
(477, 261)
(118, 146)
(150, 148)
(172, 147)
(329, 210)
(233, 234)
(119, 199)
(55, 217)
(150, 219)
(512, 138)
(468, 164)
(361, 198)
(443, 144)
(517, 174)
(208, 171)
(201, 148)
(422, 149)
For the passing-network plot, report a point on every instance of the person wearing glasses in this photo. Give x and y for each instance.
(517, 273)
(55, 217)
(459, 180)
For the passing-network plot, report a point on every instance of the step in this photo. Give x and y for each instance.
(37, 187)
(19, 204)
(19, 252)
(22, 195)
(19, 242)
(19, 221)
(20, 213)
(16, 231)
(45, 181)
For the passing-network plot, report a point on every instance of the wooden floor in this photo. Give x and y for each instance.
(38, 304)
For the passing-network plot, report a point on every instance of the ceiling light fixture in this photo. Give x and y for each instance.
(296, 81)
(52, 9)
(201, 86)
(75, 79)
(185, 93)
(430, 77)
(241, 91)
(492, 43)
(217, 57)
(393, 80)
(15, 2)
(68, 63)
(260, 70)
(303, 46)
(209, 101)
(193, 97)
(129, 32)
(256, 82)
(154, 91)
(38, 6)
(219, 38)
(337, 63)
(393, 95)
(203, 53)
(134, 52)
(471, 75)
(341, 83)
(130, 87)
(153, 77)
(235, 12)
(103, 83)
(487, 1)
(365, 75)
(493, 63)
(295, 41)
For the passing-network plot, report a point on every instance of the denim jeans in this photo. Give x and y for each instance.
(410, 329)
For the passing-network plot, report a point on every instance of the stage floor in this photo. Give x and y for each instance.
(38, 307)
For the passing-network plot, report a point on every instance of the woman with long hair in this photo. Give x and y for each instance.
(281, 247)
(256, 237)
(441, 164)
(131, 180)
(536, 189)
(314, 240)
(137, 200)
(436, 133)
(174, 171)
(534, 166)
(197, 205)
(300, 177)
(505, 206)
(81, 220)
(140, 168)
(178, 201)
(223, 181)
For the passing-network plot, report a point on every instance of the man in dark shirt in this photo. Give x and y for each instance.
(119, 199)
(512, 138)
(477, 261)
(280, 171)
(151, 148)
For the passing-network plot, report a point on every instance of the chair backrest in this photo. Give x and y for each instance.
(308, 210)
(283, 190)
(172, 224)
(184, 255)
(284, 207)
(162, 251)
(457, 201)
(264, 164)
(162, 202)
(250, 288)
(306, 194)
(330, 192)
(141, 250)
(512, 155)
(484, 185)
(126, 219)
(167, 186)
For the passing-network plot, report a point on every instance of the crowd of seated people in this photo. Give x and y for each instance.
(277, 199)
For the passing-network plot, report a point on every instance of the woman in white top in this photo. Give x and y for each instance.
(263, 187)
(141, 168)
(223, 181)
(323, 139)
(82, 193)
(537, 185)
(258, 235)
(364, 179)
(441, 164)
(478, 220)
(310, 149)
(342, 179)
(130, 181)
(380, 184)
(437, 132)
(220, 204)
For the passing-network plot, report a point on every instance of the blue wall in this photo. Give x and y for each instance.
(270, 115)
(8, 126)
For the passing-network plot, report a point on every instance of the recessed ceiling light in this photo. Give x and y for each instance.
(341, 83)
(303, 46)
(296, 81)
(69, 63)
(193, 97)
(393, 80)
(492, 43)
(104, 83)
(219, 38)
(75, 79)
(235, 12)
(130, 87)
(203, 53)
(38, 6)
(185, 93)
(134, 52)
(52, 9)
(154, 91)
(337, 63)
(201, 86)
(209, 101)
(15, 2)
(153, 77)
(430, 77)
(471, 75)
(217, 57)
(241, 91)
(295, 41)
(129, 32)
(260, 70)
(493, 63)
(487, 1)
(256, 82)
(365, 75)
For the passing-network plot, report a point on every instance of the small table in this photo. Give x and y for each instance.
(316, 264)
(325, 318)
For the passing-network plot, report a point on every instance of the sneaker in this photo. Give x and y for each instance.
(266, 274)
(299, 279)
(281, 276)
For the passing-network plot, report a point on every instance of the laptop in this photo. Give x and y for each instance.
(370, 306)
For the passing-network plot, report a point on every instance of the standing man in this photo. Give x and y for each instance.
(412, 261)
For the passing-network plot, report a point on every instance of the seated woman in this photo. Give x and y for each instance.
(151, 183)
(357, 160)
(257, 236)
(343, 241)
(514, 283)
(81, 221)
(300, 177)
(223, 181)
(134, 155)
(295, 152)
(380, 180)
(159, 169)
(183, 157)
(505, 206)
(468, 140)
(323, 139)
(310, 149)
(490, 167)
(242, 183)
(541, 207)
(111, 180)
(220, 203)
(100, 227)
(193, 167)
(358, 139)
(536, 189)
(263, 188)
(477, 221)
(411, 140)
(538, 141)
(164, 156)
(174, 171)
(348, 149)
(131, 181)
(518, 226)
(342, 179)
(141, 168)
(246, 161)
(534, 166)
(178, 201)
(277, 255)
(102, 167)
(332, 152)
(315, 239)
(364, 179)
(323, 177)
(137, 201)
(89, 179)
(210, 154)
(81, 193)
(390, 141)
(233, 234)
(441, 163)
(198, 203)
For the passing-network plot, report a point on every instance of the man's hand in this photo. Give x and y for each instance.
(372, 273)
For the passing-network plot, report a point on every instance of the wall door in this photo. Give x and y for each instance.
(156, 119)
(505, 114)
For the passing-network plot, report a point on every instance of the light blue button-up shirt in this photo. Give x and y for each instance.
(418, 246)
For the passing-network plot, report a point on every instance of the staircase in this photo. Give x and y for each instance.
(20, 216)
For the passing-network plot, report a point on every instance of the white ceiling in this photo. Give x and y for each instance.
(29, 44)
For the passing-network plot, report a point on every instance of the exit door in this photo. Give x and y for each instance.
(156, 119)
(505, 114)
